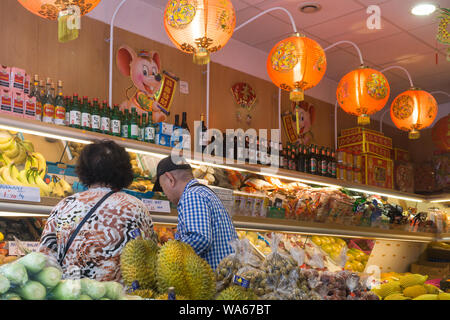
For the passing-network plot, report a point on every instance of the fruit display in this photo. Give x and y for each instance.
(27, 229)
(164, 232)
(257, 240)
(408, 287)
(75, 149)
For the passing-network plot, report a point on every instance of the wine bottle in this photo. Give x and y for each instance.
(203, 134)
(133, 130)
(85, 115)
(75, 113)
(60, 106)
(48, 112)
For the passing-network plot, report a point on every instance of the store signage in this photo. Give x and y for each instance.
(157, 205)
(19, 193)
(14, 250)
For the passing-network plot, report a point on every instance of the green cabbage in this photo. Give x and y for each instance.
(15, 273)
(93, 288)
(4, 284)
(66, 290)
(114, 290)
(49, 277)
(32, 290)
(34, 261)
(84, 297)
(10, 296)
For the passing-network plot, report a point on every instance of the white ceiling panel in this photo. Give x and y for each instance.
(428, 34)
(372, 2)
(340, 63)
(239, 4)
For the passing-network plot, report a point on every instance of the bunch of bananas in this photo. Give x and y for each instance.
(13, 148)
(60, 187)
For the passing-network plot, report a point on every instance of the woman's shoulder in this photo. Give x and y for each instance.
(129, 200)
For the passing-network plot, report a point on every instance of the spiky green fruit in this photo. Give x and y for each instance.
(237, 293)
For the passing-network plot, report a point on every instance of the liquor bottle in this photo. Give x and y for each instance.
(333, 165)
(283, 159)
(313, 160)
(40, 100)
(184, 124)
(203, 133)
(124, 123)
(85, 115)
(330, 163)
(307, 160)
(34, 90)
(116, 121)
(60, 106)
(95, 117)
(177, 120)
(300, 159)
(133, 129)
(293, 159)
(105, 118)
(68, 105)
(324, 163)
(141, 126)
(288, 156)
(75, 113)
(48, 113)
(150, 133)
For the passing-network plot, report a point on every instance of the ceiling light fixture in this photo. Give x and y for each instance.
(309, 7)
(423, 9)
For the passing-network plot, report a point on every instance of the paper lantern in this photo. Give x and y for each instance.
(441, 134)
(199, 27)
(50, 9)
(414, 110)
(296, 64)
(363, 92)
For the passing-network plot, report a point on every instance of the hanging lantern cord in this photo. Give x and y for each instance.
(401, 68)
(350, 42)
(441, 92)
(294, 27)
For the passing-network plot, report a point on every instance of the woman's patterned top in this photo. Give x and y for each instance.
(95, 251)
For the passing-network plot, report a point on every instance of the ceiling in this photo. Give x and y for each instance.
(404, 40)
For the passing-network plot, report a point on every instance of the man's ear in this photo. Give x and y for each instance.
(170, 178)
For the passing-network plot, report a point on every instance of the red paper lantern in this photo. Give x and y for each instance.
(296, 64)
(363, 92)
(50, 9)
(441, 134)
(414, 110)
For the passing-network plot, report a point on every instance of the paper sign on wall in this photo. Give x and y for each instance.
(19, 193)
(29, 245)
(184, 87)
(157, 205)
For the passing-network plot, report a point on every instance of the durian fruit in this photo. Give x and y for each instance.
(237, 293)
(170, 268)
(444, 296)
(397, 296)
(200, 278)
(427, 297)
(412, 280)
(164, 296)
(431, 289)
(143, 293)
(415, 291)
(386, 289)
(138, 263)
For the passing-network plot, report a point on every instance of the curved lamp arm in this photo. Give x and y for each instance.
(294, 27)
(350, 42)
(111, 48)
(441, 92)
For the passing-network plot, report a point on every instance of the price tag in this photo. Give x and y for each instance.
(19, 193)
(15, 251)
(157, 205)
(184, 87)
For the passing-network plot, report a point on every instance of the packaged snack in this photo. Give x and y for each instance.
(259, 184)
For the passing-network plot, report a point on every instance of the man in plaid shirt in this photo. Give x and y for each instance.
(203, 221)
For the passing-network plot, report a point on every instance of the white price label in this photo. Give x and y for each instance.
(184, 87)
(157, 205)
(14, 250)
(19, 193)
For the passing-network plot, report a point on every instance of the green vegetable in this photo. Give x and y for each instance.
(93, 288)
(104, 299)
(114, 290)
(49, 277)
(32, 290)
(129, 297)
(4, 284)
(15, 273)
(10, 296)
(84, 297)
(67, 290)
(34, 261)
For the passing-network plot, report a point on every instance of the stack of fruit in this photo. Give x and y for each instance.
(356, 260)
(75, 149)
(257, 240)
(410, 287)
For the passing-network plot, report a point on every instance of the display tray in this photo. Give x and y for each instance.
(70, 134)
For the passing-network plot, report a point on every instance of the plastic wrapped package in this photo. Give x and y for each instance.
(229, 266)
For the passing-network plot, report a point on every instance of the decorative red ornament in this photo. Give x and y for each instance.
(363, 92)
(50, 9)
(244, 95)
(414, 110)
(441, 134)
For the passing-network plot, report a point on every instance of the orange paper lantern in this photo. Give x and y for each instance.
(414, 110)
(296, 64)
(441, 134)
(363, 92)
(199, 27)
(50, 9)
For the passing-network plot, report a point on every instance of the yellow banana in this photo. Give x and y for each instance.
(58, 190)
(13, 171)
(7, 145)
(22, 177)
(66, 187)
(21, 157)
(4, 160)
(6, 175)
(1, 180)
(42, 163)
(42, 185)
(12, 151)
(30, 163)
(4, 137)
(28, 145)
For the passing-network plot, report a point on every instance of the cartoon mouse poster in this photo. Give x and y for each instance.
(306, 118)
(144, 69)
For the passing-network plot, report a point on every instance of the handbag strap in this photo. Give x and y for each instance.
(80, 225)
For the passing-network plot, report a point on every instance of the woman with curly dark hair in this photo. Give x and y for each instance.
(87, 231)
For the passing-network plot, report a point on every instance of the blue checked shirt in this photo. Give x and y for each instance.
(204, 224)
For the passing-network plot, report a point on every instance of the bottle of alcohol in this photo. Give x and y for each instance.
(177, 120)
(203, 134)
(307, 160)
(294, 159)
(124, 123)
(329, 163)
(324, 163)
(96, 117)
(116, 121)
(141, 126)
(60, 106)
(288, 155)
(48, 113)
(105, 118)
(333, 165)
(75, 113)
(184, 126)
(40, 100)
(85, 115)
(283, 157)
(300, 159)
(133, 130)
(313, 162)
(150, 133)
